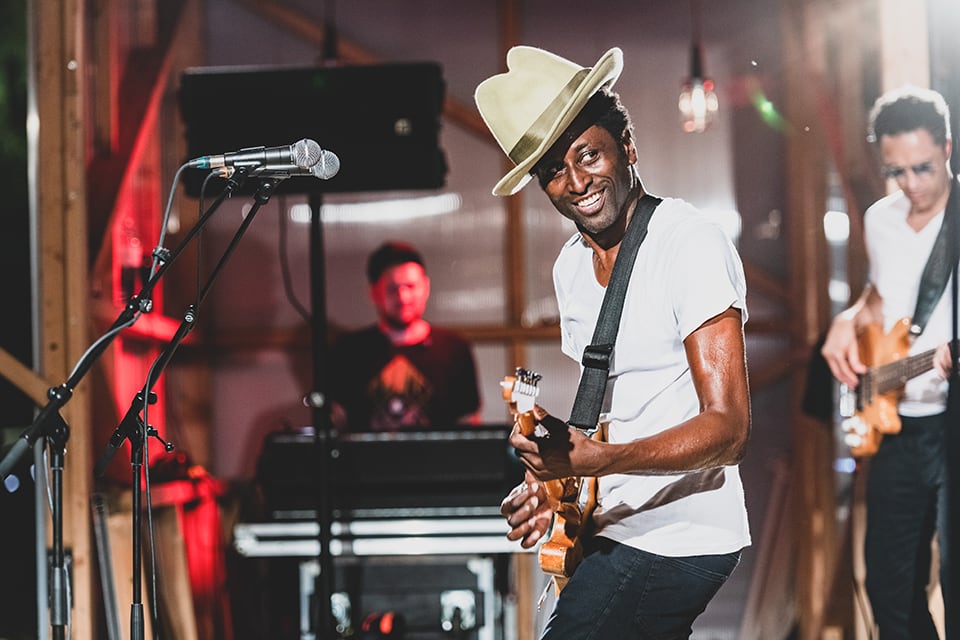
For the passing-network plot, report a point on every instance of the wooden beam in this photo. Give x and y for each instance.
(778, 370)
(103, 117)
(296, 339)
(514, 229)
(904, 50)
(856, 164)
(23, 378)
(759, 280)
(308, 28)
(58, 78)
(804, 53)
(144, 84)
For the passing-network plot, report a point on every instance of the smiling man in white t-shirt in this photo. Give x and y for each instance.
(670, 522)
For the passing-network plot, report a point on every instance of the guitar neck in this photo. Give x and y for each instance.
(894, 375)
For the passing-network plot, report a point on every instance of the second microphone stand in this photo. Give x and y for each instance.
(136, 428)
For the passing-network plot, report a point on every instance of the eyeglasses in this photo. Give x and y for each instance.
(921, 170)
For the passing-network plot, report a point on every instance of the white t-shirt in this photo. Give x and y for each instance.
(686, 272)
(897, 257)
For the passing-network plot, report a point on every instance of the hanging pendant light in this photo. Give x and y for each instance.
(698, 100)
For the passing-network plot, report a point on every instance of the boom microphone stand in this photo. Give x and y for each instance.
(136, 429)
(50, 426)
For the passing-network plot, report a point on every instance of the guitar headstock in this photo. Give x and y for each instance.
(520, 390)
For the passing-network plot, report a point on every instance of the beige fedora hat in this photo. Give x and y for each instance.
(529, 106)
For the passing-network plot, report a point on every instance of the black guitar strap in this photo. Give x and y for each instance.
(943, 258)
(596, 357)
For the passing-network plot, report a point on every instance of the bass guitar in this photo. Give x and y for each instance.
(572, 499)
(870, 410)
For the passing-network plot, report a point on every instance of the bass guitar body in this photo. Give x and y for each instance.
(870, 410)
(572, 499)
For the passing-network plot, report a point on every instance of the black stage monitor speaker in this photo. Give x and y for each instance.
(382, 121)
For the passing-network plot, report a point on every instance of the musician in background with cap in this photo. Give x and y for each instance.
(671, 521)
(402, 373)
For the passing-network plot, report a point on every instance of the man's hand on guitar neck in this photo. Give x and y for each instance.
(943, 360)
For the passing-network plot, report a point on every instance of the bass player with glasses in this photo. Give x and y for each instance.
(907, 309)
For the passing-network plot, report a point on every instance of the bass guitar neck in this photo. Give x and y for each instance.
(572, 499)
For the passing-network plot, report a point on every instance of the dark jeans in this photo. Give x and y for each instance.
(622, 593)
(906, 504)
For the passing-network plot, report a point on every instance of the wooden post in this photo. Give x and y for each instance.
(60, 219)
(804, 54)
(905, 47)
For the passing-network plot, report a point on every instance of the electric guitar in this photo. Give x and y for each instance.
(572, 499)
(870, 410)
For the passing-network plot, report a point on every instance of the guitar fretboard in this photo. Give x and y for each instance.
(893, 375)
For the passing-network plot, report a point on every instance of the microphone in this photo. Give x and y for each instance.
(303, 154)
(325, 168)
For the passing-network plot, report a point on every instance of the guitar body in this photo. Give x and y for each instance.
(880, 408)
(572, 500)
(560, 554)
(876, 405)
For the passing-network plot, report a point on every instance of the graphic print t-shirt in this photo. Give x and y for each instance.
(384, 387)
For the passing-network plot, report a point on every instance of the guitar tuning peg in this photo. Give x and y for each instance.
(527, 376)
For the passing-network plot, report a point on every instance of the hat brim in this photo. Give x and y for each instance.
(603, 74)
